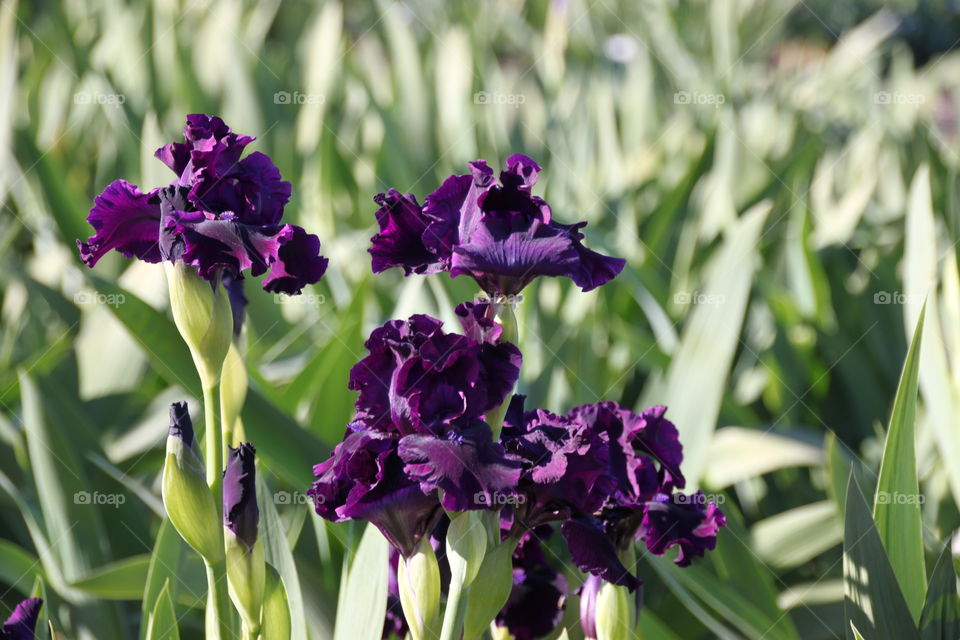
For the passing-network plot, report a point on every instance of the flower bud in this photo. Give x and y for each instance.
(233, 393)
(203, 316)
(245, 562)
(186, 496)
(466, 545)
(418, 581)
(22, 623)
(490, 589)
(615, 615)
(276, 610)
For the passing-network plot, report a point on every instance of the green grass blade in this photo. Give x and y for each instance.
(164, 568)
(896, 504)
(163, 619)
(363, 602)
(873, 601)
(941, 618)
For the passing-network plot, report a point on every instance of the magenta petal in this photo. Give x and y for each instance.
(22, 623)
(125, 219)
(685, 521)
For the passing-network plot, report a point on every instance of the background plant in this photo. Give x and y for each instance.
(785, 206)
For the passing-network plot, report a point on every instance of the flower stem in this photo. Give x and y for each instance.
(508, 320)
(218, 599)
(454, 612)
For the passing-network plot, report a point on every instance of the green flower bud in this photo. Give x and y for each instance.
(466, 545)
(186, 496)
(616, 613)
(201, 311)
(246, 570)
(418, 579)
(490, 589)
(276, 610)
(233, 393)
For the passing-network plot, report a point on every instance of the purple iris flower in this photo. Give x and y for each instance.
(419, 379)
(22, 623)
(681, 520)
(536, 602)
(240, 511)
(364, 479)
(221, 215)
(498, 233)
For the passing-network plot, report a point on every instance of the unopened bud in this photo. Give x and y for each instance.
(202, 314)
(616, 613)
(245, 561)
(418, 580)
(186, 496)
(466, 545)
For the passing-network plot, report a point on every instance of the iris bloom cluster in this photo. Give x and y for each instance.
(438, 432)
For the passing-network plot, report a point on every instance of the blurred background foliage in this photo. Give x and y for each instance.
(780, 175)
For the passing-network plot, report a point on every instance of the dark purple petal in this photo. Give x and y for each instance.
(251, 189)
(687, 521)
(364, 480)
(238, 301)
(22, 623)
(470, 470)
(296, 263)
(180, 424)
(125, 219)
(592, 551)
(417, 379)
(499, 234)
(399, 242)
(536, 602)
(213, 245)
(565, 465)
(210, 149)
(240, 511)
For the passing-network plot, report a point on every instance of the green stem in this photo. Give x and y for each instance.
(218, 597)
(454, 612)
(511, 333)
(218, 603)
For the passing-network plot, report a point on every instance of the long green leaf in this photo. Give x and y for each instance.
(873, 601)
(896, 504)
(363, 598)
(163, 619)
(121, 580)
(941, 619)
(164, 568)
